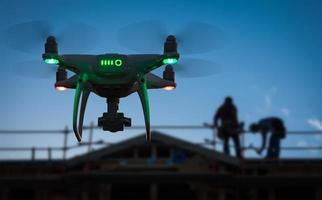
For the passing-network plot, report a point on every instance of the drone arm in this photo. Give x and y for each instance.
(143, 94)
(144, 63)
(167, 58)
(156, 82)
(81, 89)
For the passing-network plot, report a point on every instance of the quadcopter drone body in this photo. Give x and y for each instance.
(112, 76)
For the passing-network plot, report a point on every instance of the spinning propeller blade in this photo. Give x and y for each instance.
(144, 37)
(198, 37)
(78, 37)
(149, 36)
(34, 69)
(27, 36)
(195, 67)
(30, 36)
(195, 37)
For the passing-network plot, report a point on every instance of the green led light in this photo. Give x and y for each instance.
(111, 62)
(118, 62)
(170, 61)
(51, 61)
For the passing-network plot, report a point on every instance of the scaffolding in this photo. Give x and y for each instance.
(65, 132)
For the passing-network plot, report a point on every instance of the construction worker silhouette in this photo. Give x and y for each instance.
(229, 128)
(278, 131)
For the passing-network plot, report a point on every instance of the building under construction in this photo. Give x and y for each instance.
(168, 168)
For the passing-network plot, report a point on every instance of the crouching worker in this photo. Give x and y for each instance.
(277, 129)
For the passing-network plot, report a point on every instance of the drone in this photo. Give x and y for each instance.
(110, 75)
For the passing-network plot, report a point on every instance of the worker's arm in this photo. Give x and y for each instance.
(216, 118)
(236, 114)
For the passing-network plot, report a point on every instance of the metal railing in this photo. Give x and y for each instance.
(90, 143)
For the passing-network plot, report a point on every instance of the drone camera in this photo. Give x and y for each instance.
(168, 73)
(114, 123)
(51, 45)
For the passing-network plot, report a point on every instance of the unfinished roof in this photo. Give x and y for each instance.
(157, 139)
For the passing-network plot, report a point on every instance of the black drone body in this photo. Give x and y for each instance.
(112, 76)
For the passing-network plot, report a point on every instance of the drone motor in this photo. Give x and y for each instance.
(61, 75)
(170, 45)
(168, 73)
(51, 45)
(51, 51)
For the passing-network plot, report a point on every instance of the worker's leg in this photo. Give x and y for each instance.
(270, 148)
(226, 145)
(273, 147)
(277, 146)
(237, 146)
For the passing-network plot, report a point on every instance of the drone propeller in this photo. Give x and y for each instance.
(33, 69)
(195, 67)
(196, 37)
(28, 36)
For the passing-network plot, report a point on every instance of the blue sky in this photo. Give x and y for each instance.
(270, 62)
